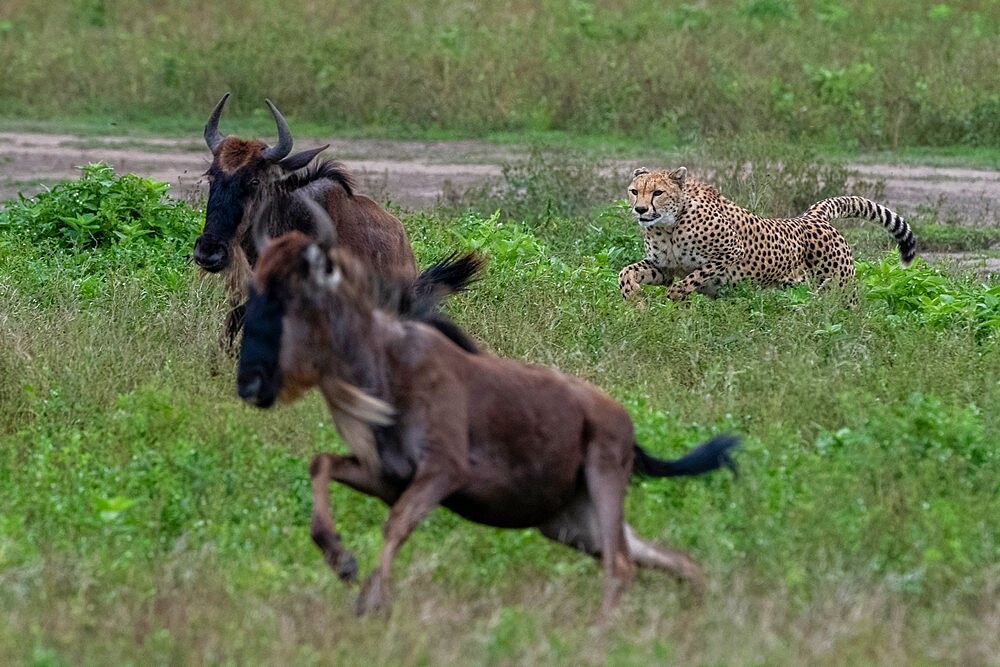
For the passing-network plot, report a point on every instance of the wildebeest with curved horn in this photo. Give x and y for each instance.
(495, 440)
(244, 173)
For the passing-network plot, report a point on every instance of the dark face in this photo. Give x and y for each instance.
(238, 169)
(229, 195)
(258, 378)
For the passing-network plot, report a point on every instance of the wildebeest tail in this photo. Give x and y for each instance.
(706, 457)
(859, 207)
(451, 274)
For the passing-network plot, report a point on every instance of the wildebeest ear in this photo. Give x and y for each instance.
(678, 175)
(299, 160)
(320, 269)
(639, 172)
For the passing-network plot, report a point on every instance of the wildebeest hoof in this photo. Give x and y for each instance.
(372, 597)
(692, 575)
(346, 567)
(342, 563)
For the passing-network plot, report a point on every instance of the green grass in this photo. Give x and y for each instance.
(150, 517)
(838, 72)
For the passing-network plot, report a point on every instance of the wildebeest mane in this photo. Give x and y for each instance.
(420, 299)
(323, 170)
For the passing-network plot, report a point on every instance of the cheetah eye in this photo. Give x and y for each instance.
(657, 193)
(634, 191)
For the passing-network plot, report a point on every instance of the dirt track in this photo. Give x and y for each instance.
(413, 173)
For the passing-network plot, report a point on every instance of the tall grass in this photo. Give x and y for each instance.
(149, 517)
(846, 72)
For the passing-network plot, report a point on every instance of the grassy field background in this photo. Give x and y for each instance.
(150, 517)
(845, 73)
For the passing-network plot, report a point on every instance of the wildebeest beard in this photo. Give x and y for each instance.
(259, 373)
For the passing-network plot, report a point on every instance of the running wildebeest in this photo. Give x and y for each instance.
(246, 172)
(497, 441)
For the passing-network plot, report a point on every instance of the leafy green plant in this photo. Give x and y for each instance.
(98, 229)
(101, 210)
(932, 297)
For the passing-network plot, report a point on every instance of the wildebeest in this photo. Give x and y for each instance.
(495, 440)
(246, 172)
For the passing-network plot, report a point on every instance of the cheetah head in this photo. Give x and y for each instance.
(656, 197)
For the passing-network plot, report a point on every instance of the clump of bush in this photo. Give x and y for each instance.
(100, 210)
(774, 179)
(545, 185)
(82, 237)
(932, 297)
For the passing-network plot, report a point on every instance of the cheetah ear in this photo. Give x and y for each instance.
(639, 172)
(678, 175)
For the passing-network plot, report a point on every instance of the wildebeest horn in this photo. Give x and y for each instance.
(259, 228)
(284, 145)
(212, 135)
(326, 233)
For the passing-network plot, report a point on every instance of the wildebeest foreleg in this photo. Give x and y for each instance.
(233, 325)
(424, 493)
(346, 470)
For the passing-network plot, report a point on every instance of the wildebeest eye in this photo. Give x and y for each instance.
(634, 191)
(254, 182)
(657, 193)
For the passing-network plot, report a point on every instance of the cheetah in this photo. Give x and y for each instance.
(693, 234)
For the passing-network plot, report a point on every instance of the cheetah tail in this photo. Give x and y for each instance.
(859, 207)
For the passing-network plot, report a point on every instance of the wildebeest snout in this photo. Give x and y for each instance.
(210, 255)
(253, 391)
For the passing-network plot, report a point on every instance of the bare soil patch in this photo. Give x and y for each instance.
(411, 174)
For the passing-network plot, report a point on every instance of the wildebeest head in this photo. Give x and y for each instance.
(293, 291)
(241, 175)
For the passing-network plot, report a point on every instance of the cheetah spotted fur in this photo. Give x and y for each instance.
(695, 236)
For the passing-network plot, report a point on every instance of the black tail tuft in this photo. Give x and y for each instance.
(452, 274)
(706, 457)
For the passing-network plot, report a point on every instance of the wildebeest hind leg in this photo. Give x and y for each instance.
(577, 526)
(677, 563)
(606, 482)
(346, 470)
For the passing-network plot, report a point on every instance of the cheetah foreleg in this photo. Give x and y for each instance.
(642, 272)
(708, 278)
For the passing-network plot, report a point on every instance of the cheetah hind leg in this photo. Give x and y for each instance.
(845, 284)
